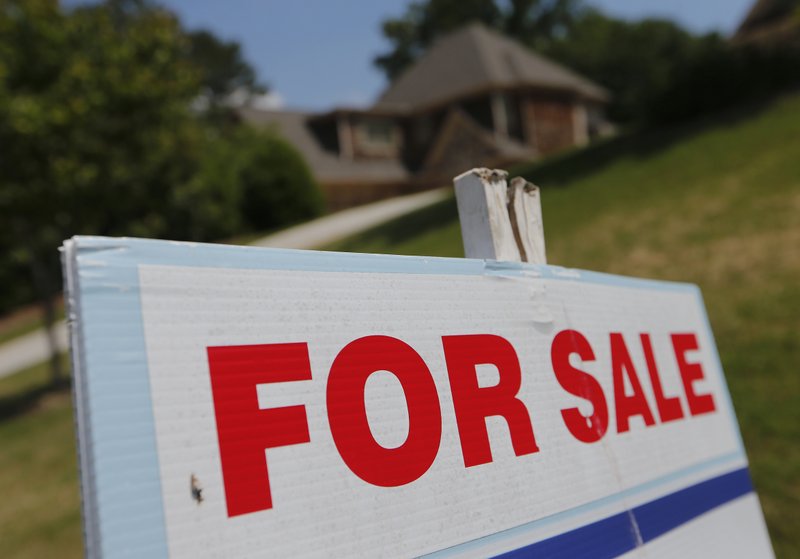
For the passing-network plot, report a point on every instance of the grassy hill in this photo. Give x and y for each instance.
(717, 203)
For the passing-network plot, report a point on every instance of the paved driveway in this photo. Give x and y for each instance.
(343, 224)
(30, 349)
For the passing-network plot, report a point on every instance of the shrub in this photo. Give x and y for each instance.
(719, 75)
(277, 188)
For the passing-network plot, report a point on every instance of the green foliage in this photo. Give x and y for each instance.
(206, 207)
(13, 291)
(538, 23)
(658, 72)
(635, 60)
(277, 186)
(94, 122)
(249, 181)
(95, 128)
(226, 79)
(223, 69)
(425, 21)
(99, 137)
(718, 75)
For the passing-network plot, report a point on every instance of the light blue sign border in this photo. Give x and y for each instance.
(113, 401)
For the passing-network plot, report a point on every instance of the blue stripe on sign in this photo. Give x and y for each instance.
(615, 535)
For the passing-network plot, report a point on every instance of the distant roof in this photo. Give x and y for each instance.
(765, 11)
(769, 17)
(473, 59)
(327, 167)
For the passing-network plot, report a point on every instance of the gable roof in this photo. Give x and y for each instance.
(462, 142)
(473, 59)
(765, 11)
(769, 17)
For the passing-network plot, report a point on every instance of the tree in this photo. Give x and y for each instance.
(635, 60)
(533, 22)
(249, 180)
(99, 137)
(223, 69)
(423, 22)
(277, 186)
(538, 23)
(95, 127)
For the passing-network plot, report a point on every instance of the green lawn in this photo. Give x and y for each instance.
(40, 510)
(717, 204)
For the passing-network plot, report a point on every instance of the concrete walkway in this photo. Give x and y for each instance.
(30, 349)
(343, 224)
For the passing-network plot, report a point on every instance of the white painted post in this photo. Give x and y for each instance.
(482, 196)
(500, 221)
(525, 211)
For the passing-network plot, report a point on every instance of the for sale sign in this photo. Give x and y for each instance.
(243, 402)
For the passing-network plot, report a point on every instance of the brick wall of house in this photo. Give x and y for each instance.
(548, 124)
(461, 145)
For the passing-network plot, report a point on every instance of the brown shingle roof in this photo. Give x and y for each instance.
(474, 59)
(327, 167)
(770, 22)
(766, 11)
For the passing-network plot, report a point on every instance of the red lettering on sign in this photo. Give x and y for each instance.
(474, 404)
(244, 431)
(581, 384)
(347, 414)
(669, 408)
(691, 373)
(635, 404)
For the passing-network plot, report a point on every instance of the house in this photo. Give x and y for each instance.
(475, 98)
(771, 23)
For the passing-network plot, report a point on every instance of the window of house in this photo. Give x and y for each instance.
(379, 132)
(423, 130)
(513, 119)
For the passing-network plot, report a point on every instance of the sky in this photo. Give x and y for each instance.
(316, 54)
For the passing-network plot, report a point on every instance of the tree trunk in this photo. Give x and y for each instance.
(46, 294)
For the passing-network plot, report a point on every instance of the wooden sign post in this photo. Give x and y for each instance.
(500, 220)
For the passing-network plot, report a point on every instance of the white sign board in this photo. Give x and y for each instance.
(243, 402)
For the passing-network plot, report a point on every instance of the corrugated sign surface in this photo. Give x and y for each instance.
(237, 402)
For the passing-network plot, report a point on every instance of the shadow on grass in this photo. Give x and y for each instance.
(641, 144)
(406, 227)
(14, 405)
